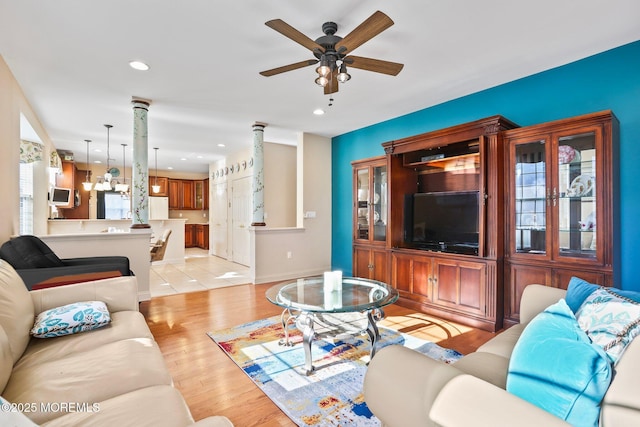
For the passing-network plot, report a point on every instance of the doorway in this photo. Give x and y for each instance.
(241, 198)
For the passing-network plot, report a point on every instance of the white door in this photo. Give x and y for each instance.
(218, 221)
(241, 220)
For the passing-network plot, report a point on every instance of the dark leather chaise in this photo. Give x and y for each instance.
(40, 268)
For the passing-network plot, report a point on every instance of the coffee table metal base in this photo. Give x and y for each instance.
(336, 325)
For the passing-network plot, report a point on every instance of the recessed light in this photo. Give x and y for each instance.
(199, 157)
(138, 65)
(318, 111)
(183, 159)
(170, 168)
(221, 145)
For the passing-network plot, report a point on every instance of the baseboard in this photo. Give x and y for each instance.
(144, 296)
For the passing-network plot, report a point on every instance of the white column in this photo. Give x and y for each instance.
(257, 186)
(140, 168)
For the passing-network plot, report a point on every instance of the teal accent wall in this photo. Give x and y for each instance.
(606, 81)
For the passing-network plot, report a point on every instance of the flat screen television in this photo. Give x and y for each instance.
(60, 196)
(442, 221)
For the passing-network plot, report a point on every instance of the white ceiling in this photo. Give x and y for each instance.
(71, 59)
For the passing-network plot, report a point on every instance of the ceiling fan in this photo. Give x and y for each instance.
(334, 52)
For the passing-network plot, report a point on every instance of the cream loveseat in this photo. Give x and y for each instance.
(404, 388)
(111, 376)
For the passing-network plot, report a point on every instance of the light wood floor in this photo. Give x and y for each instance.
(213, 385)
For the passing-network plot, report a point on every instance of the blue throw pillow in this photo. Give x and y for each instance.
(579, 290)
(555, 366)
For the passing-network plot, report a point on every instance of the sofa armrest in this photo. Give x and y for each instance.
(119, 293)
(469, 401)
(400, 385)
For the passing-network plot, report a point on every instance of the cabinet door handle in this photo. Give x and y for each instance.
(554, 196)
(548, 197)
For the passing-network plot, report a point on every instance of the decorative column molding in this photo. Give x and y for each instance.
(140, 165)
(257, 184)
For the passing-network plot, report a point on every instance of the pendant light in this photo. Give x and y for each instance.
(155, 187)
(87, 184)
(105, 183)
(123, 188)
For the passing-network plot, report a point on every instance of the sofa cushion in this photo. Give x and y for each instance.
(160, 405)
(610, 320)
(71, 319)
(124, 325)
(556, 367)
(579, 289)
(16, 309)
(87, 377)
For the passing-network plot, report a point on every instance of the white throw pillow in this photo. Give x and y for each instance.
(71, 319)
(610, 320)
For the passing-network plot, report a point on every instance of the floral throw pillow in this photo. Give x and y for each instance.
(71, 319)
(610, 320)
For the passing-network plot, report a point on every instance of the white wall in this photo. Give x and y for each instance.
(287, 253)
(280, 185)
(12, 103)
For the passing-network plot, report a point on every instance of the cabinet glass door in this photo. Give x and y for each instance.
(362, 208)
(576, 158)
(379, 203)
(530, 198)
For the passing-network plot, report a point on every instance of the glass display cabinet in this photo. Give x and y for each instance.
(559, 214)
(370, 218)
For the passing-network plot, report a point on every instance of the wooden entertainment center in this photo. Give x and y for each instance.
(532, 214)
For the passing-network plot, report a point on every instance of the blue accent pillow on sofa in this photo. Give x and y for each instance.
(579, 290)
(555, 366)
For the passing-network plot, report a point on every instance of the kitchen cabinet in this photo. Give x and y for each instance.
(559, 204)
(190, 238)
(66, 179)
(163, 183)
(202, 236)
(188, 194)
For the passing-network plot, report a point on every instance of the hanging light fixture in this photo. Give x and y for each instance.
(87, 184)
(104, 184)
(123, 188)
(343, 76)
(155, 187)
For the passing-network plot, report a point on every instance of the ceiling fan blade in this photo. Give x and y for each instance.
(290, 67)
(332, 86)
(371, 27)
(375, 65)
(288, 31)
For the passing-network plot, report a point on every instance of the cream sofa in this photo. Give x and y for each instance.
(112, 376)
(404, 388)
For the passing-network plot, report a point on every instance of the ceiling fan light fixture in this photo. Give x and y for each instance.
(323, 69)
(322, 81)
(343, 76)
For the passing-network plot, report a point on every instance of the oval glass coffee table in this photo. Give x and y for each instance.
(346, 307)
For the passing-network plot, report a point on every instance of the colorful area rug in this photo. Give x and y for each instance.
(332, 395)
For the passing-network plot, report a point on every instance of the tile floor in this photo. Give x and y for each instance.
(200, 272)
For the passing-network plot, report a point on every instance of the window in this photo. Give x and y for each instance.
(26, 198)
(116, 205)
